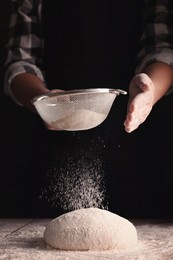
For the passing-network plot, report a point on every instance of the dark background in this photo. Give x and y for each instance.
(16, 142)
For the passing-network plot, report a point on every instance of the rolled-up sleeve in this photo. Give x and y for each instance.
(157, 37)
(24, 50)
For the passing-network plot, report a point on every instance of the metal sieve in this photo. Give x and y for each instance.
(76, 110)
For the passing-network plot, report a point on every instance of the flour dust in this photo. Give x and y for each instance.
(77, 183)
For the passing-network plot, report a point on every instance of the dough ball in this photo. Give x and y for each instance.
(90, 229)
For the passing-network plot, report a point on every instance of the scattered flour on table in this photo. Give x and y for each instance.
(90, 229)
(79, 120)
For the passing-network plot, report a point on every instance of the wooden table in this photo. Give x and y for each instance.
(22, 239)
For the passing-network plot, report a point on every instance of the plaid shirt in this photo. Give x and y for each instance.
(26, 44)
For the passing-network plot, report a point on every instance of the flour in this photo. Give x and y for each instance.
(90, 229)
(78, 183)
(79, 120)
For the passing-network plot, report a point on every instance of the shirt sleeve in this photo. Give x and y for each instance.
(157, 38)
(25, 43)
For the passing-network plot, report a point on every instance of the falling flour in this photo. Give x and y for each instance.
(77, 184)
(90, 229)
(79, 120)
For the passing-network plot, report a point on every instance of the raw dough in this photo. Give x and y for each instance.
(90, 229)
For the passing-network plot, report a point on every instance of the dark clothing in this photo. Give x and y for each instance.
(91, 44)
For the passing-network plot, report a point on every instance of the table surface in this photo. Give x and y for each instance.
(23, 239)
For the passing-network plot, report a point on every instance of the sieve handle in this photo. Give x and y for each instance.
(118, 91)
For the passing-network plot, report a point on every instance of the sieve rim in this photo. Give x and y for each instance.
(79, 91)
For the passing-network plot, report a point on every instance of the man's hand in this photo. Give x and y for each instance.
(141, 91)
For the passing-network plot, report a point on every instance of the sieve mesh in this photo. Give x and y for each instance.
(76, 110)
